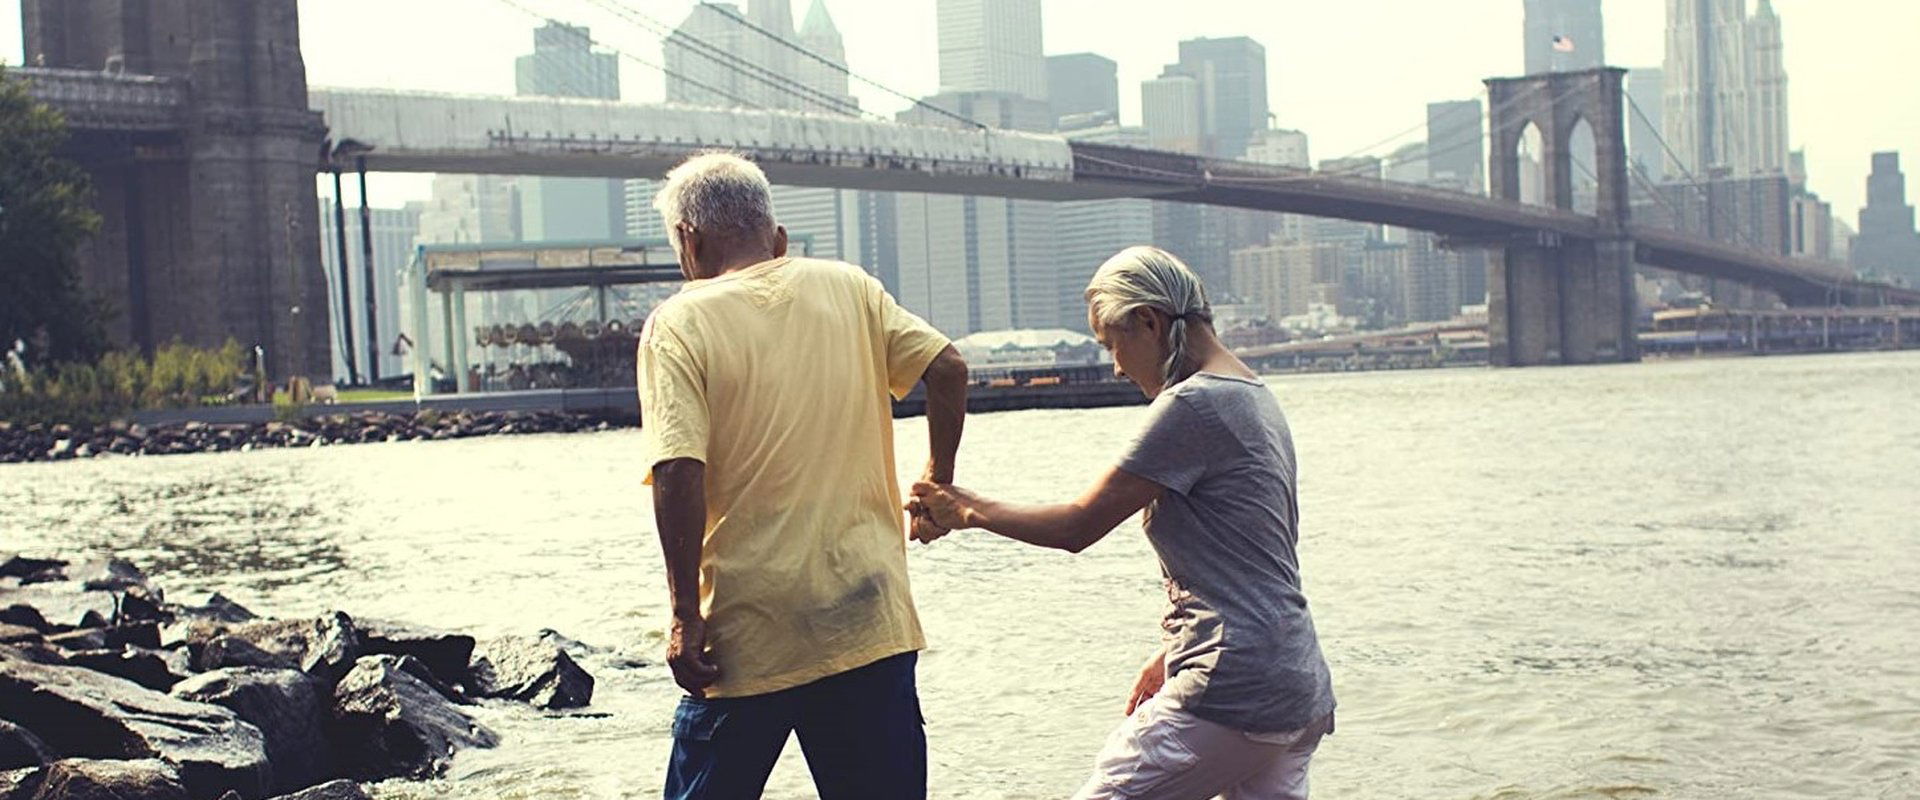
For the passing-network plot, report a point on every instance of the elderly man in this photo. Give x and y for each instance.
(763, 386)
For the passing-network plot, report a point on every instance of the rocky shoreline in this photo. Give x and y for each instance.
(22, 443)
(107, 690)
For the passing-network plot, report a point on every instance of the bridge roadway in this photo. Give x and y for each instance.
(431, 132)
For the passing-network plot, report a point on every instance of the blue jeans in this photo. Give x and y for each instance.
(861, 731)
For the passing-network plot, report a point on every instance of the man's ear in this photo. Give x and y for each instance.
(779, 241)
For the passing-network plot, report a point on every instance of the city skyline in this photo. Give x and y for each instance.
(1458, 45)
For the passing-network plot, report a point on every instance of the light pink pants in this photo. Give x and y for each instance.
(1164, 753)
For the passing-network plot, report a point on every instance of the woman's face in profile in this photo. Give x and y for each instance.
(1138, 347)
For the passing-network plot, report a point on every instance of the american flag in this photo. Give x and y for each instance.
(1563, 44)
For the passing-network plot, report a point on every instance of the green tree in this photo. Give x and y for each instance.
(46, 213)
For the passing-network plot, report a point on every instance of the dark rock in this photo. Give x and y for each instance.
(217, 608)
(290, 708)
(324, 647)
(24, 615)
(19, 566)
(141, 635)
(112, 575)
(36, 652)
(158, 670)
(65, 604)
(83, 639)
(20, 748)
(19, 784)
(337, 790)
(447, 654)
(387, 723)
(87, 779)
(537, 672)
(79, 712)
(193, 634)
(10, 633)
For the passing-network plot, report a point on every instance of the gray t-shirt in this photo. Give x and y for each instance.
(1241, 650)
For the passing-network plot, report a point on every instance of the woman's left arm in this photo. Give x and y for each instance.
(1072, 526)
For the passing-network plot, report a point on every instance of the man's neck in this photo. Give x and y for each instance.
(735, 263)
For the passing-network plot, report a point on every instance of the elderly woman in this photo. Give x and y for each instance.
(1238, 698)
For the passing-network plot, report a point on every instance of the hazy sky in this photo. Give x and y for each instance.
(1351, 73)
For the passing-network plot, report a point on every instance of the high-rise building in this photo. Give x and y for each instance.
(1091, 231)
(1456, 144)
(1887, 246)
(471, 209)
(1646, 88)
(1084, 89)
(1231, 78)
(1564, 36)
(1726, 89)
(1170, 111)
(563, 64)
(394, 233)
(1408, 164)
(991, 46)
(721, 56)
(970, 264)
(1285, 279)
(1287, 148)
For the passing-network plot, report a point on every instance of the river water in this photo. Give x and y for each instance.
(1682, 579)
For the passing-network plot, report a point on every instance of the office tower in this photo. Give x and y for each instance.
(1726, 89)
(394, 232)
(1287, 148)
(1084, 89)
(1887, 246)
(970, 264)
(1091, 231)
(1408, 164)
(1231, 80)
(1456, 144)
(1288, 279)
(1646, 88)
(721, 56)
(1170, 111)
(1564, 36)
(991, 46)
(563, 64)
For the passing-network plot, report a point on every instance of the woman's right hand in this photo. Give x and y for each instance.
(1152, 677)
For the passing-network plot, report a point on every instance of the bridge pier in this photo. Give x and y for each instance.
(1560, 300)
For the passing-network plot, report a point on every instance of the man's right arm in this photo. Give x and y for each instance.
(680, 512)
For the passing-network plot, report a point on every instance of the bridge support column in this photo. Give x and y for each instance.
(1561, 300)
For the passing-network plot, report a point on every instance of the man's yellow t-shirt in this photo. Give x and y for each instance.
(776, 377)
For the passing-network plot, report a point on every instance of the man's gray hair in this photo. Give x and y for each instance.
(1149, 277)
(718, 193)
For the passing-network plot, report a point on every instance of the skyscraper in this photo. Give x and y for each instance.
(1726, 89)
(1887, 246)
(1084, 86)
(991, 46)
(1564, 36)
(1089, 232)
(1170, 110)
(563, 64)
(1647, 89)
(394, 233)
(1456, 144)
(1231, 76)
(713, 59)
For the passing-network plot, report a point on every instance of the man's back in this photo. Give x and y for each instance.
(776, 377)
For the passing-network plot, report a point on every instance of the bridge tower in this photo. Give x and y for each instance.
(1555, 300)
(210, 228)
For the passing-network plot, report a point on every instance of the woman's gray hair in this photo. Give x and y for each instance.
(1149, 277)
(718, 193)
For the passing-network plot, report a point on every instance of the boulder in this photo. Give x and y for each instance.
(20, 748)
(88, 779)
(18, 566)
(158, 670)
(145, 634)
(388, 723)
(217, 608)
(64, 604)
(17, 784)
(324, 647)
(36, 652)
(23, 615)
(79, 712)
(11, 633)
(446, 654)
(533, 671)
(336, 790)
(290, 708)
(111, 575)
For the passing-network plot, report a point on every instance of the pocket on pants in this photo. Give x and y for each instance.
(697, 720)
(1149, 757)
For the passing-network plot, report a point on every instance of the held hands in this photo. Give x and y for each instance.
(1152, 677)
(924, 528)
(687, 656)
(947, 505)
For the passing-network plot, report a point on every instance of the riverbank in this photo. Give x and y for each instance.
(25, 443)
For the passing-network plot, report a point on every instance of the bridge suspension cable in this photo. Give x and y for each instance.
(518, 6)
(1706, 192)
(719, 56)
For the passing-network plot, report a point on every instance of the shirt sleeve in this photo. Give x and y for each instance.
(911, 343)
(673, 396)
(1177, 445)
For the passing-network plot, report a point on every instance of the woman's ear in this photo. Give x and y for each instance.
(1147, 318)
